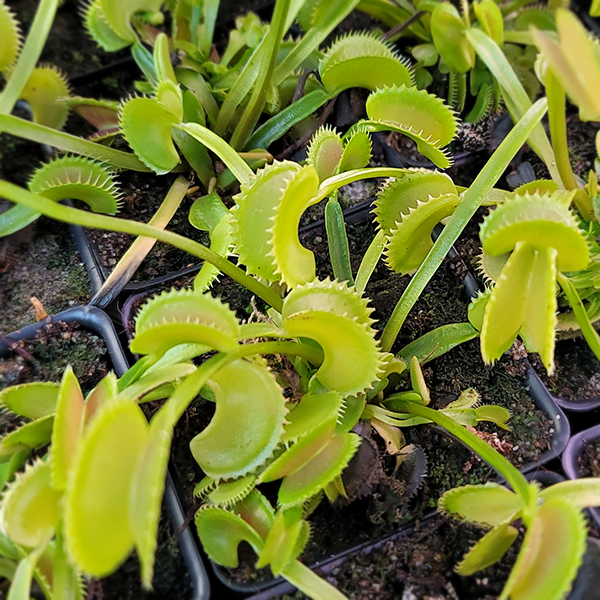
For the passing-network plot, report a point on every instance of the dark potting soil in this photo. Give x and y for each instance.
(56, 346)
(171, 577)
(589, 461)
(577, 374)
(421, 566)
(40, 260)
(143, 193)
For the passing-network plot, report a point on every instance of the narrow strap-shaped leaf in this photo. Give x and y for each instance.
(369, 261)
(587, 329)
(69, 143)
(310, 583)
(222, 149)
(438, 342)
(488, 550)
(337, 239)
(516, 97)
(279, 124)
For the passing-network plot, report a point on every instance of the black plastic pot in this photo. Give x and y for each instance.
(573, 453)
(323, 568)
(97, 321)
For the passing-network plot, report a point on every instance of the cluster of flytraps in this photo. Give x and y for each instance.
(79, 509)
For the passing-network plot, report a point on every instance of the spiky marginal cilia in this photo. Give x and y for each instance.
(248, 422)
(266, 219)
(10, 36)
(338, 318)
(417, 114)
(544, 238)
(363, 60)
(184, 316)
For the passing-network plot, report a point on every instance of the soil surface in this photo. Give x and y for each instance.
(420, 566)
(56, 346)
(589, 461)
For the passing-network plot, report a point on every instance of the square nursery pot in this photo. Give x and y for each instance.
(572, 457)
(96, 321)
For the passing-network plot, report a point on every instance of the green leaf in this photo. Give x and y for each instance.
(449, 35)
(321, 470)
(30, 400)
(550, 555)
(338, 318)
(438, 342)
(313, 410)
(488, 550)
(505, 310)
(42, 91)
(247, 424)
(11, 38)
(67, 430)
(325, 152)
(266, 238)
(221, 532)
(415, 113)
(490, 504)
(363, 60)
(581, 493)
(97, 500)
(280, 544)
(99, 29)
(152, 145)
(31, 507)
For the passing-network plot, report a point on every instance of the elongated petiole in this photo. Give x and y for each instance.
(59, 212)
(70, 143)
(471, 201)
(369, 261)
(334, 183)
(516, 99)
(558, 136)
(512, 475)
(241, 171)
(587, 329)
(310, 583)
(40, 28)
(268, 58)
(190, 388)
(140, 248)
